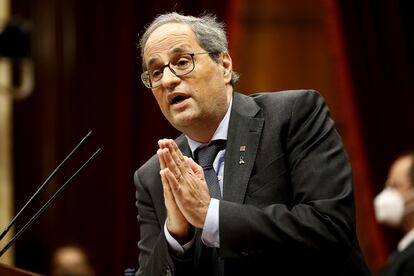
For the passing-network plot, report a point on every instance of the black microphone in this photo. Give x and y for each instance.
(6, 230)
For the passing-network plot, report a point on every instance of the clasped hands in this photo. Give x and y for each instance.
(186, 193)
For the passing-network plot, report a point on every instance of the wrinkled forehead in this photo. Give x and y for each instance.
(170, 38)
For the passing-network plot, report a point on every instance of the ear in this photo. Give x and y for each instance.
(227, 67)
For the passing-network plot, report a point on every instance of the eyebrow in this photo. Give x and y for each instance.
(177, 50)
(152, 61)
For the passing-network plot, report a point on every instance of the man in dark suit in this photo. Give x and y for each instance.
(394, 206)
(280, 198)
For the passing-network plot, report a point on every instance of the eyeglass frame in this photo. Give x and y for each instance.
(145, 75)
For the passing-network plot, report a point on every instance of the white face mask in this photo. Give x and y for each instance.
(389, 207)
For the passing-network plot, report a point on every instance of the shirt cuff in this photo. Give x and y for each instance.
(210, 235)
(175, 245)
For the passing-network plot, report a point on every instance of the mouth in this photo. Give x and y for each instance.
(177, 98)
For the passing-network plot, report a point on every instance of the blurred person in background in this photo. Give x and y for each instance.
(71, 260)
(394, 207)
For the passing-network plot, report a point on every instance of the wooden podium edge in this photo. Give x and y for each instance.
(6, 270)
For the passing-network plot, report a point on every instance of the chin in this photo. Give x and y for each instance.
(183, 123)
(184, 118)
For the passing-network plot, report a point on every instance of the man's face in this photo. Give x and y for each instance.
(398, 176)
(197, 98)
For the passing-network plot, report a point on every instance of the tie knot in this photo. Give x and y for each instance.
(205, 155)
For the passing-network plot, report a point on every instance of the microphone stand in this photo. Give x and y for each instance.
(38, 213)
(49, 178)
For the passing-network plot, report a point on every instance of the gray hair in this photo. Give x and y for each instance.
(209, 32)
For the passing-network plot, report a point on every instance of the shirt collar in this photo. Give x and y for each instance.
(406, 240)
(221, 131)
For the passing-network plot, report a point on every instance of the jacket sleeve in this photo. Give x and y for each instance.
(155, 257)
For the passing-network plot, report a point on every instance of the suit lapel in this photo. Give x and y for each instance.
(183, 145)
(242, 142)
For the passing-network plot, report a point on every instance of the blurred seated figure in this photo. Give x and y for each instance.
(394, 206)
(71, 260)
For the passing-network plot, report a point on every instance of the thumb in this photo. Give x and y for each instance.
(197, 169)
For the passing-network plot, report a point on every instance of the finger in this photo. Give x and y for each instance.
(161, 159)
(176, 150)
(169, 199)
(177, 156)
(168, 196)
(164, 180)
(162, 143)
(197, 169)
(172, 180)
(170, 163)
(193, 165)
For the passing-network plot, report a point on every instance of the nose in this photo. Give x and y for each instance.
(169, 79)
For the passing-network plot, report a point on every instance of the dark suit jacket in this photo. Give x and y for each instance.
(287, 210)
(400, 263)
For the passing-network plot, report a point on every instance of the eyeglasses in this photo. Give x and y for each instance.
(179, 65)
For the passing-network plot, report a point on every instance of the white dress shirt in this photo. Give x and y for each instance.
(406, 240)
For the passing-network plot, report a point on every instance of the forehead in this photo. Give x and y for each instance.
(170, 38)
